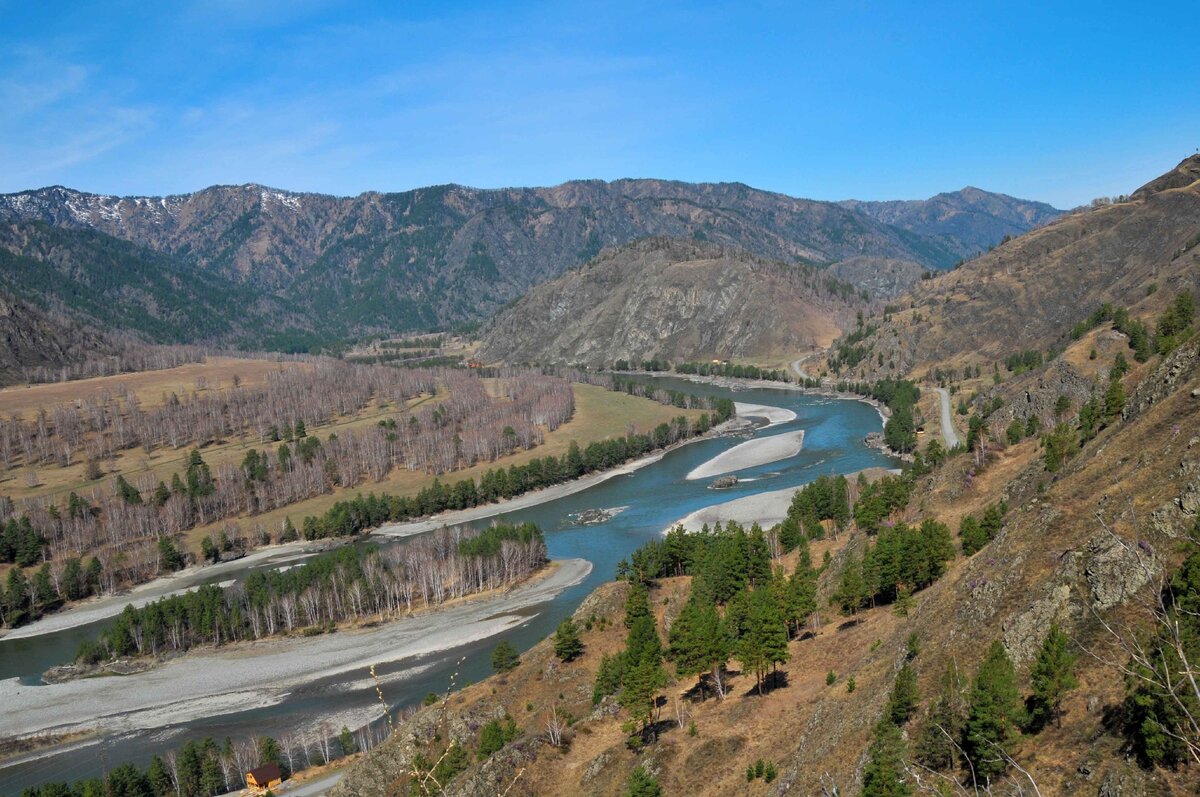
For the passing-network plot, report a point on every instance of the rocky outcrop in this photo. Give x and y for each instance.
(1115, 569)
(1024, 633)
(880, 277)
(1177, 369)
(673, 300)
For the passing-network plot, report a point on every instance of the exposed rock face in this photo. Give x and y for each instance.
(1176, 369)
(444, 254)
(1024, 633)
(1113, 571)
(880, 277)
(669, 299)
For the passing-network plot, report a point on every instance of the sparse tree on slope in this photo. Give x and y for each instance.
(1051, 679)
(993, 716)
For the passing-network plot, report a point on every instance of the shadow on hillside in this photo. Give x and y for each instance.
(772, 681)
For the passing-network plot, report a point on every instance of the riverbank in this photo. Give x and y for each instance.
(262, 674)
(138, 664)
(759, 451)
(766, 509)
(547, 494)
(736, 383)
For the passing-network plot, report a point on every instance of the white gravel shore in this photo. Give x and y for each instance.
(765, 509)
(773, 415)
(212, 682)
(758, 451)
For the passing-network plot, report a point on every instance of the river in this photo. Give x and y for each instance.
(652, 497)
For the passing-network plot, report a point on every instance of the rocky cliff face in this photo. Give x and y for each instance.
(674, 300)
(447, 254)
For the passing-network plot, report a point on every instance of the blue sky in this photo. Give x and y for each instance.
(1045, 100)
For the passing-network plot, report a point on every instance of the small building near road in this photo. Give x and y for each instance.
(268, 776)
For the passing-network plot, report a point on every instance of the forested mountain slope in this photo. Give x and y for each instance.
(1029, 292)
(674, 300)
(118, 286)
(450, 254)
(970, 220)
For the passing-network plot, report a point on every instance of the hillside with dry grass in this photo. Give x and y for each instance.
(1027, 293)
(1083, 548)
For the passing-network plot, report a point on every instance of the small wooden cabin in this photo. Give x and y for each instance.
(268, 776)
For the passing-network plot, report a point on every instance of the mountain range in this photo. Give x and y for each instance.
(277, 269)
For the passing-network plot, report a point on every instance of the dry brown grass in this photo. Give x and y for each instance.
(150, 386)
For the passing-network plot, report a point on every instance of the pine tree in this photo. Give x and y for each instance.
(905, 695)
(1114, 399)
(346, 741)
(642, 784)
(567, 645)
(128, 492)
(159, 777)
(937, 743)
(883, 775)
(802, 590)
(212, 778)
(851, 591)
(505, 657)
(763, 642)
(1051, 679)
(993, 715)
(640, 690)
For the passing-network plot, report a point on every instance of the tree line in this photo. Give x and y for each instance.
(346, 585)
(733, 370)
(495, 484)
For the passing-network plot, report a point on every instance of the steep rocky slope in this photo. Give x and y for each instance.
(880, 277)
(448, 254)
(675, 300)
(31, 338)
(1029, 292)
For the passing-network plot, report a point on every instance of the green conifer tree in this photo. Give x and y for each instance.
(993, 715)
